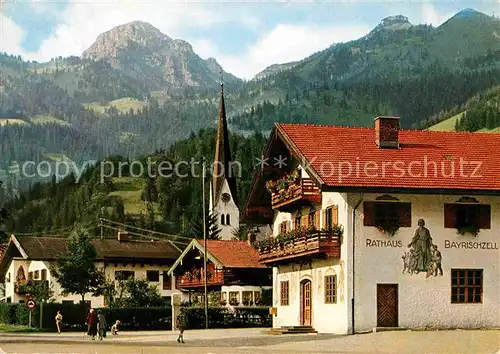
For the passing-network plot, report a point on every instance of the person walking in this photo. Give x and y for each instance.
(181, 325)
(101, 319)
(92, 324)
(59, 319)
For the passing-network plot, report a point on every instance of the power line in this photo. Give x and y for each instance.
(144, 236)
(145, 230)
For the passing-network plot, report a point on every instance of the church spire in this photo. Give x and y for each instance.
(222, 162)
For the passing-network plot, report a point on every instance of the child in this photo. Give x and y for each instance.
(114, 328)
(59, 319)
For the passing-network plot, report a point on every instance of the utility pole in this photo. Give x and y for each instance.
(205, 247)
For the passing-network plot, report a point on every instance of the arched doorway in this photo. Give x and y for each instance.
(305, 302)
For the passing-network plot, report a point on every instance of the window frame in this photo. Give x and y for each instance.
(284, 293)
(469, 277)
(119, 274)
(166, 281)
(234, 295)
(330, 290)
(247, 295)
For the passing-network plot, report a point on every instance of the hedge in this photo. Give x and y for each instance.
(223, 317)
(136, 318)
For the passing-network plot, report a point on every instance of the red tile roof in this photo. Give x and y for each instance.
(330, 149)
(234, 254)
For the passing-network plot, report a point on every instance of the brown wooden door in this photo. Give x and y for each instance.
(305, 303)
(387, 305)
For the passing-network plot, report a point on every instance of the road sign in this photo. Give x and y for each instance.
(31, 304)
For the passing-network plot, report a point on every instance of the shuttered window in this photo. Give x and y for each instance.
(380, 213)
(466, 286)
(330, 289)
(462, 215)
(284, 293)
(331, 216)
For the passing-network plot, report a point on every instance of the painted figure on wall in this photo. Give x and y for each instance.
(21, 276)
(422, 243)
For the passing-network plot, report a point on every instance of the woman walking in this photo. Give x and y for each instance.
(102, 325)
(92, 324)
(181, 325)
(59, 319)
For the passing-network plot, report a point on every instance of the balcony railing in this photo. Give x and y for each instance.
(196, 279)
(320, 243)
(303, 190)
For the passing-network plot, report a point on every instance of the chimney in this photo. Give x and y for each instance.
(387, 132)
(123, 236)
(251, 238)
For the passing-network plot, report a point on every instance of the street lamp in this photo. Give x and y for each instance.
(205, 249)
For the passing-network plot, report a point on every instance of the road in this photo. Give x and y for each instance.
(246, 341)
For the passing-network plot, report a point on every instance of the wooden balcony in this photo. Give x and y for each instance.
(196, 280)
(319, 245)
(300, 193)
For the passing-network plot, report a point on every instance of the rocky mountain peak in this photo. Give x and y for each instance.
(137, 33)
(398, 22)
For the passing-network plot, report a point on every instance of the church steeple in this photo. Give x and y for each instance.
(222, 162)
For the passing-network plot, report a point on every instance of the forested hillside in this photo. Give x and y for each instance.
(161, 203)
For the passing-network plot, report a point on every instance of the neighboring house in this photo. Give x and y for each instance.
(234, 272)
(348, 252)
(3, 247)
(31, 258)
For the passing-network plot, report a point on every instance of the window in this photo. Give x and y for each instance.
(44, 274)
(153, 275)
(330, 289)
(223, 296)
(247, 298)
(167, 281)
(383, 213)
(297, 223)
(222, 220)
(124, 274)
(284, 286)
(464, 215)
(228, 219)
(234, 298)
(284, 227)
(8, 278)
(331, 215)
(256, 297)
(30, 275)
(466, 286)
(37, 275)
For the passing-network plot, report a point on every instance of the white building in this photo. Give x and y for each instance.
(32, 258)
(223, 192)
(371, 265)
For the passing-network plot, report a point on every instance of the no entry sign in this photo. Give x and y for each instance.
(31, 304)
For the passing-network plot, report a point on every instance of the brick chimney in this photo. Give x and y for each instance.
(387, 132)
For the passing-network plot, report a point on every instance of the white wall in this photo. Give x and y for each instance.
(229, 208)
(427, 302)
(329, 318)
(29, 266)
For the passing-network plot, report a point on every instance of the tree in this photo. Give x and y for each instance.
(77, 273)
(133, 293)
(3, 217)
(196, 229)
(39, 290)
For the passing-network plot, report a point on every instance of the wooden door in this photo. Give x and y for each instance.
(387, 305)
(305, 303)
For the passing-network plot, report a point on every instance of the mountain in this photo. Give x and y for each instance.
(274, 69)
(136, 90)
(142, 51)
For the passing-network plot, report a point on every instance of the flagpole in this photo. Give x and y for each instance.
(205, 249)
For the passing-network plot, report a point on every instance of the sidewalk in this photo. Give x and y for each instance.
(251, 340)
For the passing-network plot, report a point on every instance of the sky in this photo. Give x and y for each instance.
(244, 36)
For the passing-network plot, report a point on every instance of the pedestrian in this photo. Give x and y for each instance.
(181, 325)
(59, 319)
(114, 328)
(92, 324)
(101, 319)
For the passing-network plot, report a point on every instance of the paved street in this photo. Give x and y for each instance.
(244, 341)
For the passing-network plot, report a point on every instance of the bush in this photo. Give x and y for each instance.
(8, 313)
(222, 317)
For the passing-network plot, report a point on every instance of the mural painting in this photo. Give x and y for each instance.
(424, 255)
